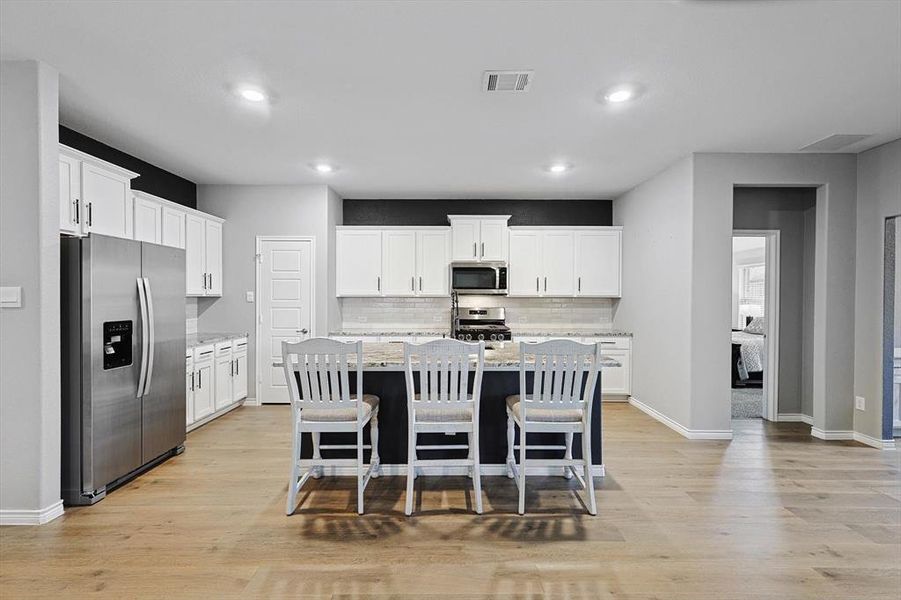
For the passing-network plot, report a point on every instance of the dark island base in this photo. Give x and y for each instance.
(390, 387)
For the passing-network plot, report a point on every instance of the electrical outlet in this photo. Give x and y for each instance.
(860, 403)
(248, 296)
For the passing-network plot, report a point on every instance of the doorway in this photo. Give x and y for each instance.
(755, 324)
(285, 307)
(892, 330)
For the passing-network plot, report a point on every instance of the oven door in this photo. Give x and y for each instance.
(476, 279)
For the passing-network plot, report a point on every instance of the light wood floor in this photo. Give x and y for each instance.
(772, 514)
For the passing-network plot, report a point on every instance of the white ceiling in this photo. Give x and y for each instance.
(389, 92)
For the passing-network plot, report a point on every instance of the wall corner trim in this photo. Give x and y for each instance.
(830, 435)
(794, 418)
(31, 517)
(692, 434)
(874, 442)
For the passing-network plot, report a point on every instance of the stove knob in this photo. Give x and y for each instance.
(493, 337)
(468, 337)
(460, 336)
(481, 336)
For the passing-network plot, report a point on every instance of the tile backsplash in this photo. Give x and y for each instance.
(522, 313)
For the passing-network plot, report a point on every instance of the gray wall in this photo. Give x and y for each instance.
(784, 209)
(29, 257)
(656, 300)
(252, 210)
(878, 197)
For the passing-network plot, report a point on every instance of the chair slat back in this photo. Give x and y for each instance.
(442, 368)
(322, 365)
(559, 367)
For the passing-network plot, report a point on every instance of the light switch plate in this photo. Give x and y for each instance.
(860, 403)
(249, 296)
(11, 297)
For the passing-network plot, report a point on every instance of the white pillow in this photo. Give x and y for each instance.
(757, 325)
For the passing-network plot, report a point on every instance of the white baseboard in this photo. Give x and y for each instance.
(623, 399)
(692, 434)
(31, 517)
(831, 435)
(874, 442)
(487, 470)
(794, 418)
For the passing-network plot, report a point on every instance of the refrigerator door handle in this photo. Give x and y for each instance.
(151, 327)
(145, 336)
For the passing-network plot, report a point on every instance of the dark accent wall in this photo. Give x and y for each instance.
(152, 180)
(434, 212)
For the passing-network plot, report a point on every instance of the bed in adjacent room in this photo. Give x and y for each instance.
(749, 354)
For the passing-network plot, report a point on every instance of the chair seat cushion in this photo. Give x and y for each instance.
(345, 413)
(435, 413)
(544, 415)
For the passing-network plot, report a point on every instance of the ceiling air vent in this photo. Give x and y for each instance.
(506, 81)
(834, 142)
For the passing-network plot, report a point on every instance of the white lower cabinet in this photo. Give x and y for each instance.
(224, 373)
(204, 381)
(615, 381)
(239, 377)
(189, 387)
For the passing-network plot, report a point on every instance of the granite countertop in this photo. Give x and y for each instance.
(390, 357)
(571, 333)
(199, 339)
(409, 332)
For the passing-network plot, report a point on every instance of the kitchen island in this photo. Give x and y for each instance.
(383, 375)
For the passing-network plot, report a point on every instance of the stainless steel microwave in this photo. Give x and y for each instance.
(479, 277)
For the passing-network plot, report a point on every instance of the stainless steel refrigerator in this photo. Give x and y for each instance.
(123, 361)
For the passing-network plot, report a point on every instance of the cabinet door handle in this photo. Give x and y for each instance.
(483, 249)
(580, 284)
(378, 283)
(413, 284)
(199, 380)
(538, 284)
(90, 214)
(204, 281)
(192, 381)
(77, 210)
(545, 284)
(420, 283)
(474, 253)
(211, 280)
(237, 367)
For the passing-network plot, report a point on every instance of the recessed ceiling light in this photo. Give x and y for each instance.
(558, 168)
(619, 96)
(621, 93)
(252, 94)
(323, 168)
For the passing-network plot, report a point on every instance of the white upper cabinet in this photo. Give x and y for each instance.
(565, 261)
(393, 261)
(69, 195)
(173, 227)
(213, 257)
(97, 195)
(599, 262)
(398, 263)
(479, 237)
(432, 262)
(203, 255)
(358, 260)
(525, 270)
(148, 219)
(557, 257)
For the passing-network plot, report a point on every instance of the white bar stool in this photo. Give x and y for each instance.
(326, 405)
(558, 403)
(444, 404)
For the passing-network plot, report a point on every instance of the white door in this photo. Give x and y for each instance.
(148, 220)
(203, 389)
(284, 302)
(107, 196)
(465, 239)
(432, 263)
(598, 256)
(224, 370)
(557, 255)
(493, 244)
(213, 257)
(69, 192)
(195, 275)
(173, 227)
(524, 276)
(398, 263)
(359, 262)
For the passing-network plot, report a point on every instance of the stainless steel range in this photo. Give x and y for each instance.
(474, 324)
